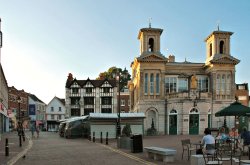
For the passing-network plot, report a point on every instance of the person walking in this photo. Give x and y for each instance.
(32, 129)
(37, 131)
(245, 136)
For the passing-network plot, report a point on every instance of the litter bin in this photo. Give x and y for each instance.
(136, 143)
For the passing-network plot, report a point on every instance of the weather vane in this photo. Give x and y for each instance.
(218, 25)
(150, 20)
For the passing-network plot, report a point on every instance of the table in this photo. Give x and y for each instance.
(199, 144)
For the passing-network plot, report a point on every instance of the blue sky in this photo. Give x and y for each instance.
(44, 40)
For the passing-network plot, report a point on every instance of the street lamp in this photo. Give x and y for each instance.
(118, 75)
(19, 128)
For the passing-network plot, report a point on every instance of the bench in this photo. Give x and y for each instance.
(163, 154)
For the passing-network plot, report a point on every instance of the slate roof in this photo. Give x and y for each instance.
(35, 98)
(95, 83)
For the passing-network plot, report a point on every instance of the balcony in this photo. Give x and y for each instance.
(89, 106)
(75, 106)
(186, 95)
(106, 106)
(74, 94)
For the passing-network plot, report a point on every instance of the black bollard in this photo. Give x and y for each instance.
(93, 136)
(6, 147)
(107, 138)
(101, 137)
(23, 135)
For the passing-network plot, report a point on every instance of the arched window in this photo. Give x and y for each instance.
(218, 84)
(157, 83)
(221, 47)
(151, 83)
(194, 110)
(151, 44)
(228, 84)
(223, 84)
(173, 111)
(146, 84)
(210, 50)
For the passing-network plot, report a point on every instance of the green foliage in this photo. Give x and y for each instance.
(124, 78)
(126, 131)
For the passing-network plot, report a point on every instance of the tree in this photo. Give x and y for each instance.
(124, 78)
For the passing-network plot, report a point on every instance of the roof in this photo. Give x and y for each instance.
(33, 97)
(218, 32)
(61, 100)
(115, 115)
(149, 30)
(77, 118)
(95, 83)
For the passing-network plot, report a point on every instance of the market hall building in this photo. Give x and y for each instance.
(182, 97)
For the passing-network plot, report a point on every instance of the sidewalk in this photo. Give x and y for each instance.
(14, 148)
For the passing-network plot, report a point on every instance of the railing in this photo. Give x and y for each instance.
(185, 95)
(75, 106)
(89, 106)
(106, 106)
(74, 95)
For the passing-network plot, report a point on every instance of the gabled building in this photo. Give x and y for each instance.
(182, 97)
(55, 111)
(90, 96)
(37, 111)
(18, 107)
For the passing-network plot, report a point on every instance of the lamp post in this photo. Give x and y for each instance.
(117, 76)
(19, 129)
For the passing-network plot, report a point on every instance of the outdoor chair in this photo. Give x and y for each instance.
(211, 157)
(227, 152)
(186, 146)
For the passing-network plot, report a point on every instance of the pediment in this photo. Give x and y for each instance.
(224, 59)
(152, 58)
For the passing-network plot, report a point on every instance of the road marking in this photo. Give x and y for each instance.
(21, 154)
(128, 155)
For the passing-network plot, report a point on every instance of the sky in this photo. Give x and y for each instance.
(45, 40)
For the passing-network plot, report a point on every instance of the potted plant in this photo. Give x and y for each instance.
(124, 141)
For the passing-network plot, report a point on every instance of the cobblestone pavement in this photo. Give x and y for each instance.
(49, 148)
(15, 150)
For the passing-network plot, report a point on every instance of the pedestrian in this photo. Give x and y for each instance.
(37, 131)
(245, 136)
(208, 143)
(32, 130)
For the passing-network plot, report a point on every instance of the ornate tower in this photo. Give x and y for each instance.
(149, 40)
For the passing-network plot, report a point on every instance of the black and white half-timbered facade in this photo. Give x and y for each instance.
(90, 96)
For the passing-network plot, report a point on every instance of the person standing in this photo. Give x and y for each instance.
(32, 130)
(245, 135)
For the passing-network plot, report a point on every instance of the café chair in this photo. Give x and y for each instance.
(186, 146)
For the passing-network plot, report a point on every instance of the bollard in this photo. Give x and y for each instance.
(93, 136)
(23, 135)
(6, 147)
(101, 137)
(107, 139)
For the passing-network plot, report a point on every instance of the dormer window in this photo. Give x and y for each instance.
(88, 90)
(75, 90)
(106, 90)
(151, 45)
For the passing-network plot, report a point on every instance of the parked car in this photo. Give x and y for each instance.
(77, 127)
(62, 128)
